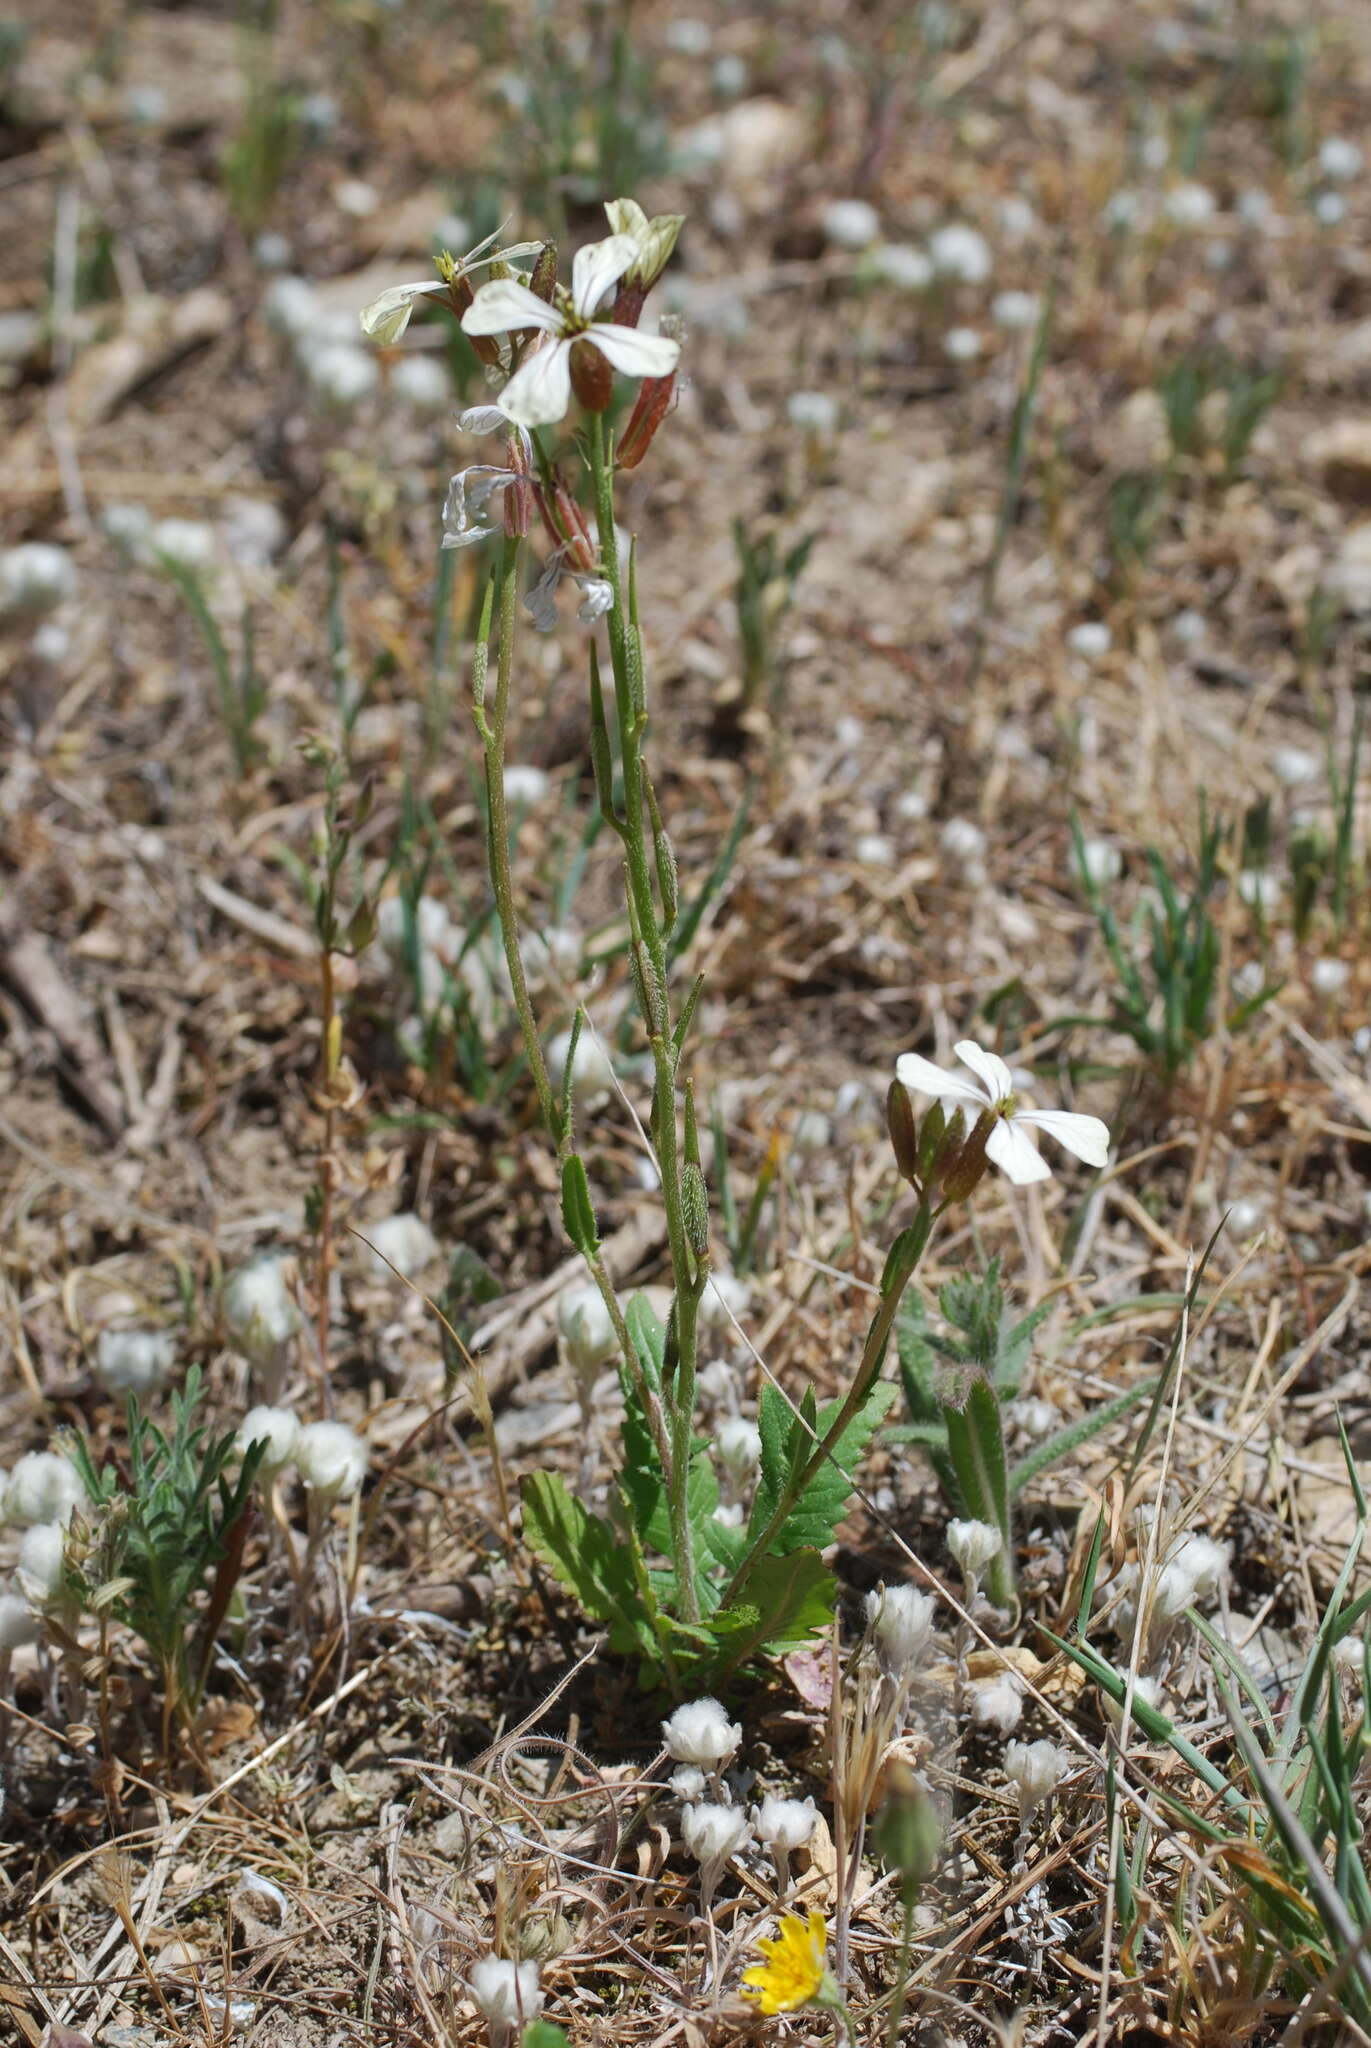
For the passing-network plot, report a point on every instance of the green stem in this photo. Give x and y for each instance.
(904, 1257)
(491, 723)
(688, 1273)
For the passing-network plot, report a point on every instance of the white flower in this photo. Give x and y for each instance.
(331, 1459)
(1008, 1145)
(1033, 1416)
(1255, 207)
(1189, 205)
(653, 240)
(973, 1545)
(1205, 1561)
(1340, 159)
(128, 526)
(584, 1327)
(851, 223)
(1294, 765)
(134, 1361)
(594, 1079)
(900, 264)
(1091, 639)
(962, 253)
(387, 317)
(1015, 311)
(963, 841)
(35, 577)
(689, 1783)
(784, 1824)
(1329, 977)
(997, 1703)
(1260, 889)
(19, 1624)
(1017, 218)
(277, 1429)
(1330, 209)
(961, 344)
(506, 1992)
(421, 382)
(816, 412)
(401, 1244)
(341, 375)
(1035, 1769)
(700, 1732)
(525, 784)
(185, 544)
(901, 1624)
(714, 1833)
(540, 390)
(726, 1296)
(260, 1311)
(1102, 861)
(1148, 1690)
(469, 511)
(42, 1562)
(44, 1487)
(738, 1447)
(290, 305)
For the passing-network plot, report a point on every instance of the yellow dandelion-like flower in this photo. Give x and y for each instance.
(793, 1973)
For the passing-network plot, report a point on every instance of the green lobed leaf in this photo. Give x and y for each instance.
(583, 1553)
(786, 1443)
(790, 1601)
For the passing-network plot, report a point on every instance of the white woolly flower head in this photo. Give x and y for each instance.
(260, 1311)
(331, 1459)
(277, 1430)
(134, 1361)
(43, 1487)
(584, 1327)
(900, 1621)
(700, 1732)
(784, 1824)
(961, 253)
(35, 577)
(1035, 1769)
(19, 1625)
(400, 1246)
(726, 1295)
(504, 1991)
(714, 1833)
(850, 223)
(738, 1447)
(185, 544)
(997, 1702)
(689, 1783)
(973, 1545)
(42, 1562)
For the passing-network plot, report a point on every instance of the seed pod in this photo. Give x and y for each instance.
(592, 376)
(695, 1204)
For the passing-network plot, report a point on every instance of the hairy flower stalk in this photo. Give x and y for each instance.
(689, 1263)
(492, 719)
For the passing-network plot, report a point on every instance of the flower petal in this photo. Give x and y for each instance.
(1086, 1136)
(626, 217)
(1014, 1152)
(926, 1079)
(539, 392)
(482, 419)
(387, 317)
(635, 353)
(596, 267)
(504, 304)
(989, 1069)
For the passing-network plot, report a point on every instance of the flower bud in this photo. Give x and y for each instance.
(44, 1487)
(542, 279)
(695, 1203)
(1034, 1769)
(714, 1833)
(784, 1824)
(331, 1459)
(505, 1992)
(901, 1624)
(906, 1835)
(904, 1136)
(277, 1430)
(974, 1545)
(967, 1167)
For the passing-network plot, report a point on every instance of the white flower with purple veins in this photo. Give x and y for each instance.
(470, 512)
(541, 602)
(1008, 1146)
(540, 390)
